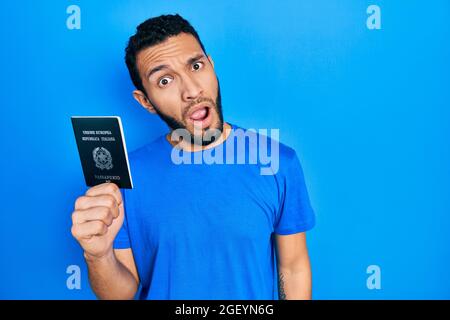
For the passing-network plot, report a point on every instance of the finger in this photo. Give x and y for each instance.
(106, 188)
(89, 229)
(104, 200)
(103, 214)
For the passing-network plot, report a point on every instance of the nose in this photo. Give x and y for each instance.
(191, 88)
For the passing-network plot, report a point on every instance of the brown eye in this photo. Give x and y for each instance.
(164, 81)
(198, 65)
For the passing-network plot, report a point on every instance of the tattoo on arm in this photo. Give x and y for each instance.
(281, 293)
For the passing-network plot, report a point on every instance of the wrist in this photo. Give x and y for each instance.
(90, 258)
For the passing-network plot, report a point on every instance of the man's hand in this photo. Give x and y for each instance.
(97, 218)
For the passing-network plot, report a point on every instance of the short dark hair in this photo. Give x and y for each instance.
(152, 32)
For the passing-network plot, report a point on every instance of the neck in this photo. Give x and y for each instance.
(186, 146)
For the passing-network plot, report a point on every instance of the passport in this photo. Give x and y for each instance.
(102, 149)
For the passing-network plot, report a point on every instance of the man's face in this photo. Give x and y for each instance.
(181, 85)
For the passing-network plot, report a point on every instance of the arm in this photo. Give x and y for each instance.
(113, 276)
(96, 220)
(294, 270)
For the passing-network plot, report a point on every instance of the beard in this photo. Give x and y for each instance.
(210, 133)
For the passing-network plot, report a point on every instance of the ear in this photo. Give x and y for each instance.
(143, 101)
(211, 60)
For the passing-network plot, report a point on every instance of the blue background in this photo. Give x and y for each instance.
(366, 110)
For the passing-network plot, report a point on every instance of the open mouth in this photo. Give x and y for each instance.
(201, 116)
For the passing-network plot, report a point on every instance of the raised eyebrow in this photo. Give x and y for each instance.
(165, 66)
(156, 69)
(195, 58)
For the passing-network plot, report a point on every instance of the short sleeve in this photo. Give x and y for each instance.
(122, 240)
(295, 212)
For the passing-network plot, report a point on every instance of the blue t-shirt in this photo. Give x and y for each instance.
(206, 230)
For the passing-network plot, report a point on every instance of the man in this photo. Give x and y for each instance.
(194, 230)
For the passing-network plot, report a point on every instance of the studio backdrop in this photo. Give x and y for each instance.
(360, 89)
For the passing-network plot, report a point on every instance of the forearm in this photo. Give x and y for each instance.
(295, 284)
(110, 279)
